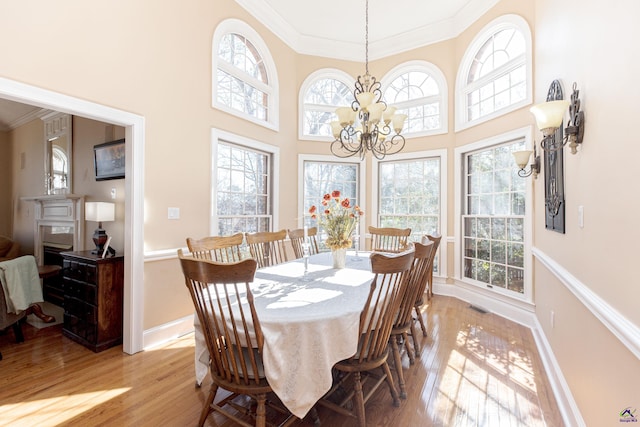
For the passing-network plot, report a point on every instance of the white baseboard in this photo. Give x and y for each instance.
(564, 398)
(167, 332)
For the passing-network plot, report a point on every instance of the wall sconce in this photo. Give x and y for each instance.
(522, 159)
(549, 118)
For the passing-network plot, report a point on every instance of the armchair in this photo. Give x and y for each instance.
(9, 249)
(10, 319)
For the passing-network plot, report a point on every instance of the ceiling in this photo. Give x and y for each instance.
(336, 29)
(14, 114)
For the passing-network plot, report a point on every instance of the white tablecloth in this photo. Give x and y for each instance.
(308, 326)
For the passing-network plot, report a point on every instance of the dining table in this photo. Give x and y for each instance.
(310, 321)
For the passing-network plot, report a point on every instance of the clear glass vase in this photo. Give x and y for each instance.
(339, 257)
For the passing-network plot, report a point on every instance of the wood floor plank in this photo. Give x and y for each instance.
(476, 369)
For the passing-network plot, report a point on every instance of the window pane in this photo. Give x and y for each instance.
(322, 178)
(242, 191)
(497, 76)
(240, 72)
(493, 222)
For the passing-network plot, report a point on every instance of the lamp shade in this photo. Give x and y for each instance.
(522, 158)
(549, 114)
(99, 211)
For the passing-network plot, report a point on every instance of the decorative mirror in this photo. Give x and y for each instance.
(554, 172)
(57, 153)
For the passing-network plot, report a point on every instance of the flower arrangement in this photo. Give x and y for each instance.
(338, 218)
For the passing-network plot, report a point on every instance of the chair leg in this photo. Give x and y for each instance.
(359, 399)
(422, 325)
(410, 352)
(261, 414)
(392, 387)
(398, 364)
(17, 331)
(417, 347)
(206, 410)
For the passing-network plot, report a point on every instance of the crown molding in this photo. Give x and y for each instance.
(36, 114)
(339, 49)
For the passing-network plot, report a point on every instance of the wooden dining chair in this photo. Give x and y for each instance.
(268, 248)
(217, 248)
(376, 322)
(404, 324)
(389, 239)
(232, 333)
(428, 285)
(297, 238)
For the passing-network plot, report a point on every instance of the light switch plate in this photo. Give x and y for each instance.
(173, 213)
(581, 216)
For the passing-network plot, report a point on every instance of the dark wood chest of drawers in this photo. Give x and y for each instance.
(93, 299)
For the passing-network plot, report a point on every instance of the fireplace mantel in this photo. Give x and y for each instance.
(57, 210)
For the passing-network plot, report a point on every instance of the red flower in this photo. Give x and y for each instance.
(327, 196)
(327, 212)
(325, 203)
(312, 209)
(345, 203)
(335, 194)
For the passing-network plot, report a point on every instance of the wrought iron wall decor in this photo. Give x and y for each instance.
(554, 171)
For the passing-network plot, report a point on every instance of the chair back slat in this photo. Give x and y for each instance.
(416, 282)
(389, 239)
(268, 248)
(380, 310)
(297, 239)
(217, 248)
(225, 308)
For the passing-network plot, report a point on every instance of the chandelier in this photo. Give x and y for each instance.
(375, 119)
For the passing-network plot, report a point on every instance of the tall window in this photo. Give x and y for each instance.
(320, 95)
(410, 196)
(495, 74)
(493, 221)
(244, 77)
(418, 89)
(243, 189)
(320, 178)
(59, 163)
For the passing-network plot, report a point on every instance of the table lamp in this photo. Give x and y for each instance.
(99, 212)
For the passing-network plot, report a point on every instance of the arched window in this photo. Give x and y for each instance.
(244, 77)
(419, 90)
(494, 77)
(320, 94)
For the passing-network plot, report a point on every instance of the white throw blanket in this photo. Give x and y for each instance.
(21, 283)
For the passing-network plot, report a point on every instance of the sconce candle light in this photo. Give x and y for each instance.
(549, 118)
(99, 212)
(522, 159)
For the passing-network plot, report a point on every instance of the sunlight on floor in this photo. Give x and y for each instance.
(485, 384)
(56, 410)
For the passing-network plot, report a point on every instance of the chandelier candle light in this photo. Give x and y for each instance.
(338, 219)
(376, 119)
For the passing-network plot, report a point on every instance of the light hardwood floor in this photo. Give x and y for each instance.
(475, 370)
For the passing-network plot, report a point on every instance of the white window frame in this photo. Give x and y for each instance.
(220, 136)
(375, 189)
(501, 23)
(498, 293)
(325, 73)
(237, 26)
(362, 196)
(443, 98)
